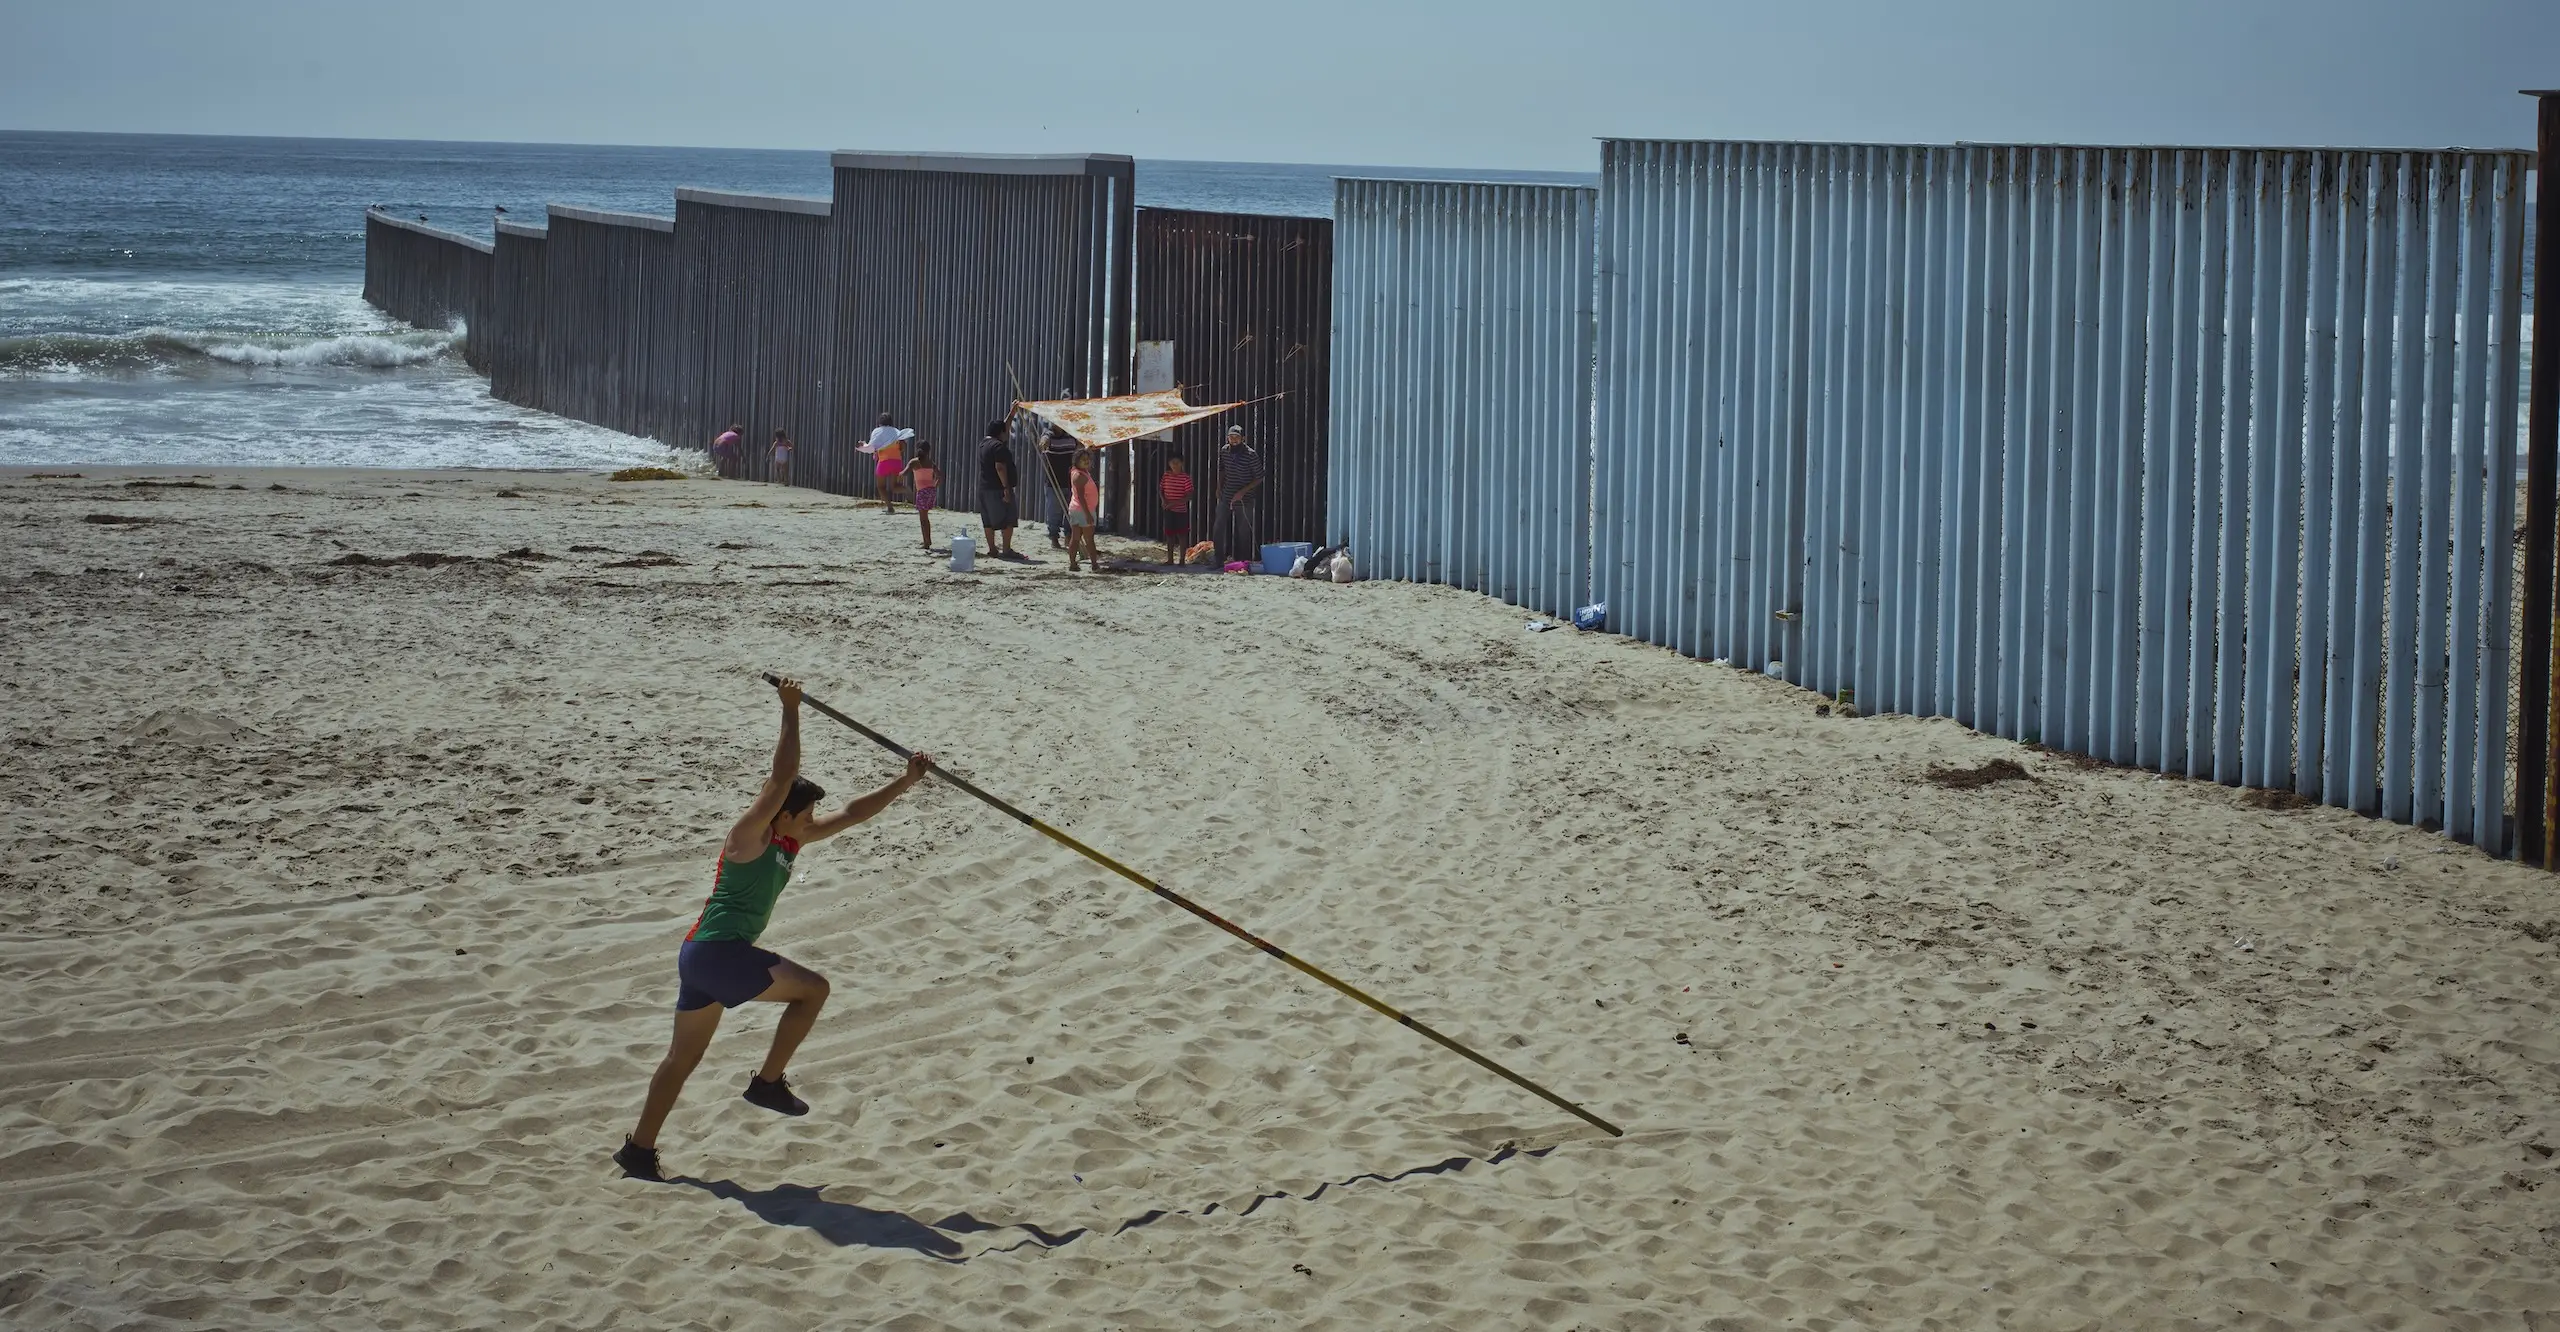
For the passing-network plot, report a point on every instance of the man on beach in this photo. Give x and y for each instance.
(719, 966)
(1239, 475)
(996, 511)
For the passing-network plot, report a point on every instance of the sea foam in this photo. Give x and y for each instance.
(146, 350)
(368, 350)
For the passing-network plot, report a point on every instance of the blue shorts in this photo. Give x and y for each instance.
(727, 972)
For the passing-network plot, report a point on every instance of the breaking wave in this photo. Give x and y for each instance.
(371, 350)
(167, 349)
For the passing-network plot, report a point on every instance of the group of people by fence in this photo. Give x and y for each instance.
(904, 465)
(729, 454)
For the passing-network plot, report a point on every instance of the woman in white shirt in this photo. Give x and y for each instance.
(888, 460)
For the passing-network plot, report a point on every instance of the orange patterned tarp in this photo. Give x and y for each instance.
(1099, 421)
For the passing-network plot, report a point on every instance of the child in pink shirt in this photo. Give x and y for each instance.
(1084, 511)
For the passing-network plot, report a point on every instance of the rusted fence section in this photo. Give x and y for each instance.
(1244, 304)
(426, 276)
(960, 277)
(757, 275)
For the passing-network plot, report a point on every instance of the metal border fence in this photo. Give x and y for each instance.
(758, 291)
(611, 347)
(427, 276)
(1462, 330)
(509, 334)
(2195, 459)
(960, 276)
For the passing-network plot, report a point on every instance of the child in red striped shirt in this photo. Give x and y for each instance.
(1175, 489)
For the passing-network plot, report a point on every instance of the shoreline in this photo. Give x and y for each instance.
(262, 471)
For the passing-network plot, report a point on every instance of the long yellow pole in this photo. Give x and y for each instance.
(1275, 950)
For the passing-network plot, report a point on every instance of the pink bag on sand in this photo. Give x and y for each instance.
(1239, 566)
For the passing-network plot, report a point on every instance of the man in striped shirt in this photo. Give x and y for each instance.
(1239, 475)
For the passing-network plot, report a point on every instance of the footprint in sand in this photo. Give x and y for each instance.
(189, 725)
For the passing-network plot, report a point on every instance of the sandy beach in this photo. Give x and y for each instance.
(339, 901)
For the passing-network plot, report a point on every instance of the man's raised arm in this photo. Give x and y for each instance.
(747, 838)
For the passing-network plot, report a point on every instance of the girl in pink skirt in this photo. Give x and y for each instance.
(927, 480)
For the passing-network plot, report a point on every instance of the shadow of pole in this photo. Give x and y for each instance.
(850, 1225)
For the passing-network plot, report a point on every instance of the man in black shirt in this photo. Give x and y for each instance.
(996, 478)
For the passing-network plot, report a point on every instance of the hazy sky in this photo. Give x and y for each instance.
(1492, 83)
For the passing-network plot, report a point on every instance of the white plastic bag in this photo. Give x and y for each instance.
(1342, 567)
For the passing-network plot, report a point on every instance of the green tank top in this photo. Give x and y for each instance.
(743, 894)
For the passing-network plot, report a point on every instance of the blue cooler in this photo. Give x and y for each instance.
(1278, 556)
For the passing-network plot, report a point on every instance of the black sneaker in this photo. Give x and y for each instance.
(639, 1162)
(775, 1096)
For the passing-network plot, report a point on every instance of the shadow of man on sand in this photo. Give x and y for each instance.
(839, 1223)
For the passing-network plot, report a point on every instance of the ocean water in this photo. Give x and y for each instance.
(170, 300)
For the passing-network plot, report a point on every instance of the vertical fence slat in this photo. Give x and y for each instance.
(2158, 424)
(2432, 602)
(2407, 507)
(2276, 576)
(1937, 428)
(2369, 727)
(2470, 546)
(2321, 468)
(2492, 830)
(2133, 292)
(2222, 214)
(2086, 615)
(1968, 309)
